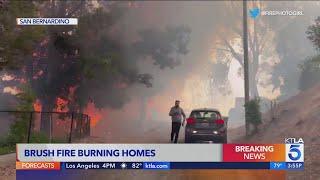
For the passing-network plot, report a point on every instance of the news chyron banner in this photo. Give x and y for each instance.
(64, 158)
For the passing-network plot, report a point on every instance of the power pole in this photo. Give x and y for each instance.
(245, 62)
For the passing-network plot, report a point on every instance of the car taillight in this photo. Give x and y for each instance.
(219, 121)
(191, 121)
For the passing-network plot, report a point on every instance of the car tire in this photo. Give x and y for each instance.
(225, 140)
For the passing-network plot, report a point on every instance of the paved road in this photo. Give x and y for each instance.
(160, 134)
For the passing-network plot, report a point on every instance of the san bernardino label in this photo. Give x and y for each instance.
(46, 21)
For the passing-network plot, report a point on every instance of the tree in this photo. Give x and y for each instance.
(230, 34)
(292, 47)
(253, 113)
(45, 67)
(17, 42)
(266, 37)
(313, 33)
(311, 67)
(86, 64)
(16, 45)
(310, 73)
(19, 129)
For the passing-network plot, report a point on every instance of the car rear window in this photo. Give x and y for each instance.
(205, 115)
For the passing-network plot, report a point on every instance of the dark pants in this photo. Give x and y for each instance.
(175, 131)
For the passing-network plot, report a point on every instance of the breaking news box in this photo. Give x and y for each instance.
(57, 159)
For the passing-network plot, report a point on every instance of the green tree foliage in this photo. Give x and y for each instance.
(17, 42)
(19, 129)
(310, 69)
(310, 73)
(313, 33)
(253, 113)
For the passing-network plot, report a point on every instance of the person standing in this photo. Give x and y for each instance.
(176, 113)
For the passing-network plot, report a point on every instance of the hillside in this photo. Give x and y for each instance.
(298, 116)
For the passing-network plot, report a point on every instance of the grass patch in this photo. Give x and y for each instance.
(7, 145)
(7, 149)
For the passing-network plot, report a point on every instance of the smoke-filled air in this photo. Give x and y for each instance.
(126, 62)
(119, 73)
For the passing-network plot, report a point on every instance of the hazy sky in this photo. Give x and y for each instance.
(189, 81)
(203, 20)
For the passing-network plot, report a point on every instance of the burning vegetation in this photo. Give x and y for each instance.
(84, 68)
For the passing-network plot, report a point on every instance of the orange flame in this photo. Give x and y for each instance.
(61, 105)
(37, 105)
(94, 114)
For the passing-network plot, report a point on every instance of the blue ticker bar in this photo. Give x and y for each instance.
(295, 166)
(219, 165)
(73, 170)
(101, 165)
(166, 165)
(287, 166)
(182, 165)
(156, 165)
(278, 165)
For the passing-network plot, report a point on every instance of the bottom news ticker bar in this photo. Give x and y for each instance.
(158, 165)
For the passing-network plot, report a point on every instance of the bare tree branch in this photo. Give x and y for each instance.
(236, 55)
(263, 42)
(237, 31)
(222, 49)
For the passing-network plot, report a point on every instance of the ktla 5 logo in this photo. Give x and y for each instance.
(294, 153)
